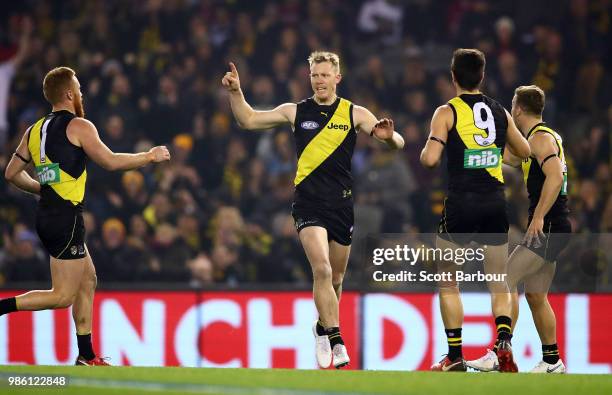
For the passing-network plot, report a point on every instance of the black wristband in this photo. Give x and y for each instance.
(438, 140)
(22, 158)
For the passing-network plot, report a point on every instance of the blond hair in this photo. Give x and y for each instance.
(56, 82)
(325, 56)
(531, 99)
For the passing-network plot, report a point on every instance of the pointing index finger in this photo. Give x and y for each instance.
(233, 68)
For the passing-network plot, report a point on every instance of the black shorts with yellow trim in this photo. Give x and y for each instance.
(337, 221)
(62, 231)
(478, 217)
(557, 232)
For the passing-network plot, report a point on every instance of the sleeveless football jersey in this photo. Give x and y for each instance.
(60, 165)
(476, 144)
(325, 137)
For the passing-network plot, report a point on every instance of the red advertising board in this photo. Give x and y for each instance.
(273, 329)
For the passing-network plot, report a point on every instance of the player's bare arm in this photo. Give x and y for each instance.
(245, 115)
(15, 171)
(517, 143)
(441, 123)
(382, 130)
(83, 133)
(510, 159)
(544, 149)
(24, 42)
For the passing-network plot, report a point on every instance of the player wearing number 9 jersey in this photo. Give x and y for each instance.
(475, 130)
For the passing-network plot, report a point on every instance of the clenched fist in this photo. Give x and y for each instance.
(159, 154)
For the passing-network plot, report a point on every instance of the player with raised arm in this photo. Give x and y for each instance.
(325, 127)
(533, 262)
(475, 130)
(58, 146)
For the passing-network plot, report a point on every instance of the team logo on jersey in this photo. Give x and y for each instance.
(309, 125)
(48, 174)
(481, 158)
(338, 127)
(73, 250)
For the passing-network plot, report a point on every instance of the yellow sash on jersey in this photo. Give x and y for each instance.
(68, 188)
(325, 142)
(466, 129)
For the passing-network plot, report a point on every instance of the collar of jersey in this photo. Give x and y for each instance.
(326, 105)
(534, 128)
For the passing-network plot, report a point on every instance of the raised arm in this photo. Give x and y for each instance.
(245, 115)
(24, 42)
(15, 172)
(441, 123)
(382, 129)
(83, 133)
(518, 144)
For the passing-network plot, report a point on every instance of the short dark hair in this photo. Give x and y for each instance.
(468, 67)
(531, 99)
(56, 82)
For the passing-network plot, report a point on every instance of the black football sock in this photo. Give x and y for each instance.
(334, 336)
(320, 328)
(550, 353)
(504, 328)
(8, 305)
(85, 347)
(453, 337)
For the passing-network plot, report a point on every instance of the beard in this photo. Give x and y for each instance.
(78, 107)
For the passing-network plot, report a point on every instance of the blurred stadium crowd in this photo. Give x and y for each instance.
(220, 211)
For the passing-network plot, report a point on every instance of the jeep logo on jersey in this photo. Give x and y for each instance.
(481, 158)
(48, 174)
(309, 125)
(339, 127)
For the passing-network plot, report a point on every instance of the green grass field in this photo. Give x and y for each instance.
(135, 380)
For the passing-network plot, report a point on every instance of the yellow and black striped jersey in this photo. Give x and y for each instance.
(60, 165)
(325, 138)
(476, 144)
(534, 176)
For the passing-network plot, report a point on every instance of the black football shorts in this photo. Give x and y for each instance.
(557, 231)
(62, 232)
(478, 217)
(338, 221)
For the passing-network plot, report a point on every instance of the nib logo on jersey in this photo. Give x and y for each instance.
(481, 158)
(336, 126)
(48, 174)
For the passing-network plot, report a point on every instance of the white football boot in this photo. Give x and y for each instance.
(322, 348)
(486, 363)
(341, 357)
(544, 367)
